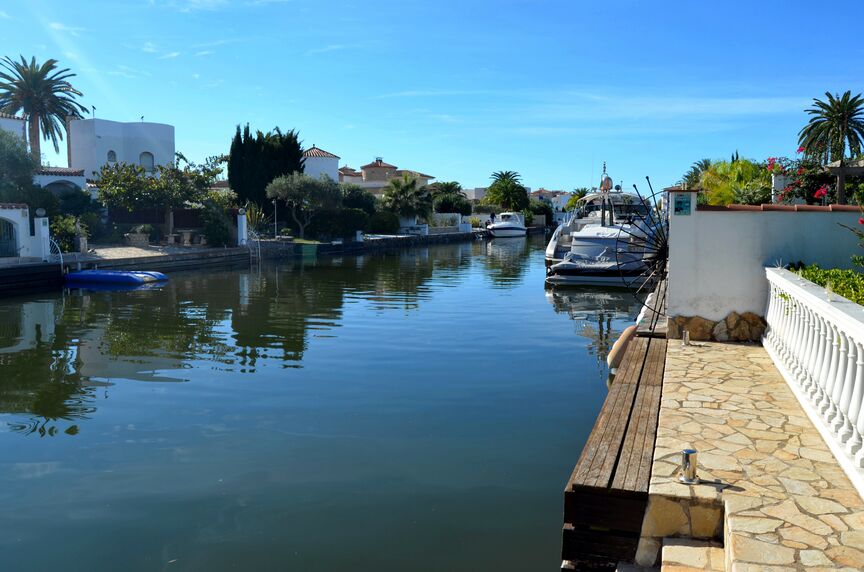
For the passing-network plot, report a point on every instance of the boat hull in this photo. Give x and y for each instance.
(114, 277)
(507, 231)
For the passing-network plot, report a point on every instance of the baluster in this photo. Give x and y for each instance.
(783, 340)
(833, 414)
(855, 414)
(797, 336)
(821, 370)
(832, 371)
(771, 313)
(810, 350)
(843, 425)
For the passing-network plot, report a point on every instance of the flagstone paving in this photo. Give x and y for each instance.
(771, 491)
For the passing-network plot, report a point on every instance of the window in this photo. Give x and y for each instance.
(112, 157)
(146, 161)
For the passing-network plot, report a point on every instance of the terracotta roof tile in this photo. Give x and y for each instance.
(346, 170)
(316, 152)
(378, 163)
(13, 206)
(61, 171)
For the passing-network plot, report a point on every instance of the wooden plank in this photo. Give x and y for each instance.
(605, 508)
(634, 468)
(632, 362)
(581, 543)
(655, 363)
(608, 431)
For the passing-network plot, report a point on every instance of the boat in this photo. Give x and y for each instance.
(131, 277)
(508, 224)
(607, 241)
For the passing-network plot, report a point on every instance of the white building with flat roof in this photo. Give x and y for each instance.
(97, 142)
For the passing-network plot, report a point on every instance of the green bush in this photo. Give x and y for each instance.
(475, 222)
(384, 222)
(64, 231)
(352, 220)
(96, 229)
(77, 202)
(487, 209)
(846, 283)
(355, 197)
(217, 224)
(452, 204)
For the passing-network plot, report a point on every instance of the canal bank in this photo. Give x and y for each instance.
(16, 278)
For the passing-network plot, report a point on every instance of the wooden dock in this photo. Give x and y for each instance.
(606, 496)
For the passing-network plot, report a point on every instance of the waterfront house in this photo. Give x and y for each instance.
(317, 162)
(375, 176)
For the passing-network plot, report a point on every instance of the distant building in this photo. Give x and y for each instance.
(556, 199)
(475, 194)
(376, 175)
(93, 143)
(317, 162)
(13, 124)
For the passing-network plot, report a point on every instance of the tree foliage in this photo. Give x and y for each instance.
(43, 93)
(507, 191)
(305, 196)
(835, 125)
(693, 177)
(575, 197)
(17, 168)
(407, 198)
(741, 181)
(256, 159)
(356, 197)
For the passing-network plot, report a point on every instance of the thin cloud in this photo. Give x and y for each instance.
(71, 30)
(4, 16)
(169, 56)
(325, 49)
(149, 47)
(203, 53)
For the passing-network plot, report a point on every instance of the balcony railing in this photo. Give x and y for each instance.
(816, 340)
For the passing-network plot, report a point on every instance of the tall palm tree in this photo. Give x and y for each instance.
(693, 177)
(833, 125)
(407, 198)
(43, 93)
(506, 176)
(446, 188)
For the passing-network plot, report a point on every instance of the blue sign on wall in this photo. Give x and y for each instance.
(682, 203)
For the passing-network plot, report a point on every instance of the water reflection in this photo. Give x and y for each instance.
(597, 314)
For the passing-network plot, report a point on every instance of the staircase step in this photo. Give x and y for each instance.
(686, 555)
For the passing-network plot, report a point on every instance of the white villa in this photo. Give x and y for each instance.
(93, 143)
(317, 162)
(375, 176)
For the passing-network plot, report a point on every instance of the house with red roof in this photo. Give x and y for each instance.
(375, 176)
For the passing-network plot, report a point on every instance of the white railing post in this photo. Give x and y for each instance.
(817, 343)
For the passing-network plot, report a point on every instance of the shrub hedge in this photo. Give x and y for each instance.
(846, 283)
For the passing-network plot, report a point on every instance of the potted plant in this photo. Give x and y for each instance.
(139, 235)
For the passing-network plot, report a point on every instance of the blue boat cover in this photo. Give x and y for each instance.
(115, 276)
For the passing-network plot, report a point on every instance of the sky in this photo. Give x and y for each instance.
(550, 89)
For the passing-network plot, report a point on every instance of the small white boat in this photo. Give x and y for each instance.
(508, 224)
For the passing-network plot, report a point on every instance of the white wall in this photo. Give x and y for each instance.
(19, 216)
(316, 166)
(717, 258)
(475, 194)
(45, 180)
(16, 126)
(92, 139)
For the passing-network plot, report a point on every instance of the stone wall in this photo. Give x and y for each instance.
(735, 327)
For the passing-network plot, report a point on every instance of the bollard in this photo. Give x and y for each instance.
(685, 338)
(688, 467)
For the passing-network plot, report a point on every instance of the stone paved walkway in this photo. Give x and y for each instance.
(774, 493)
(114, 252)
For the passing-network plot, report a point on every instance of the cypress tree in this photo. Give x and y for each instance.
(254, 161)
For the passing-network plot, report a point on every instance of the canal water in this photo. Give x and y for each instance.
(419, 410)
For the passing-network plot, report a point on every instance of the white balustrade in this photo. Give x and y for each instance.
(816, 340)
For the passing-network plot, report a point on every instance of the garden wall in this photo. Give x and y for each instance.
(717, 259)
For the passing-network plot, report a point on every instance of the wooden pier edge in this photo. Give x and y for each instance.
(607, 493)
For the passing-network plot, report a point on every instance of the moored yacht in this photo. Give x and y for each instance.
(606, 242)
(508, 224)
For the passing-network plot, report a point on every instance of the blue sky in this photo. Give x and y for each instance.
(459, 89)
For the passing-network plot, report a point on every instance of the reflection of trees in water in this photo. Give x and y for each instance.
(88, 337)
(505, 259)
(595, 312)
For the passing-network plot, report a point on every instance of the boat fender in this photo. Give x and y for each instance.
(620, 345)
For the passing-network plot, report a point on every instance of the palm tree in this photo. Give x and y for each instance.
(43, 93)
(446, 188)
(506, 176)
(406, 198)
(693, 177)
(834, 124)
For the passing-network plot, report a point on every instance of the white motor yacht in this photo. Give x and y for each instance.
(508, 224)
